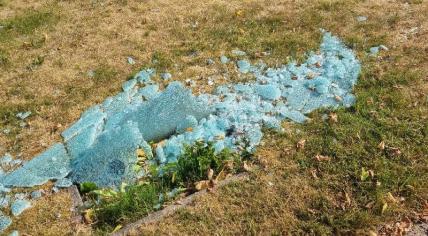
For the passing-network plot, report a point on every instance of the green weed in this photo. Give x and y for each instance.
(27, 23)
(134, 201)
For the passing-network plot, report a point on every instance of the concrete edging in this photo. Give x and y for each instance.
(169, 210)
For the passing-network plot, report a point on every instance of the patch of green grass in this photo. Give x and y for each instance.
(28, 22)
(134, 201)
(161, 61)
(194, 164)
(4, 58)
(225, 30)
(399, 169)
(104, 74)
(137, 201)
(38, 61)
(330, 5)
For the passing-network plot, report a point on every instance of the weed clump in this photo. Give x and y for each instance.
(162, 184)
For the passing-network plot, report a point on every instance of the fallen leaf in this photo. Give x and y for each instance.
(141, 154)
(348, 199)
(190, 129)
(221, 176)
(88, 216)
(228, 165)
(395, 151)
(301, 144)
(117, 228)
(247, 167)
(333, 117)
(204, 184)
(381, 145)
(239, 13)
(364, 174)
(372, 233)
(338, 98)
(210, 174)
(370, 205)
(384, 207)
(391, 198)
(314, 173)
(403, 226)
(322, 158)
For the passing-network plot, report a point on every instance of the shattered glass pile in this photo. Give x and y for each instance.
(101, 147)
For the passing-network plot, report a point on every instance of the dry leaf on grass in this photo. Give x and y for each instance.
(333, 117)
(221, 176)
(301, 144)
(391, 198)
(314, 173)
(200, 185)
(210, 174)
(247, 167)
(381, 145)
(322, 158)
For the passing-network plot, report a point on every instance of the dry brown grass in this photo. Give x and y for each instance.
(99, 35)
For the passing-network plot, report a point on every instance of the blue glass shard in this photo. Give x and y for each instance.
(36, 194)
(270, 92)
(166, 76)
(93, 116)
(244, 66)
(149, 92)
(129, 85)
(19, 206)
(160, 117)
(63, 183)
(224, 59)
(108, 162)
(4, 200)
(23, 115)
(144, 76)
(5, 222)
(14, 233)
(54, 163)
(188, 122)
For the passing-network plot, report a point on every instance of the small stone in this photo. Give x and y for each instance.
(224, 59)
(361, 18)
(210, 61)
(239, 53)
(131, 61)
(91, 74)
(166, 76)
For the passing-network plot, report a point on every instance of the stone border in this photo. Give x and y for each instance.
(169, 210)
